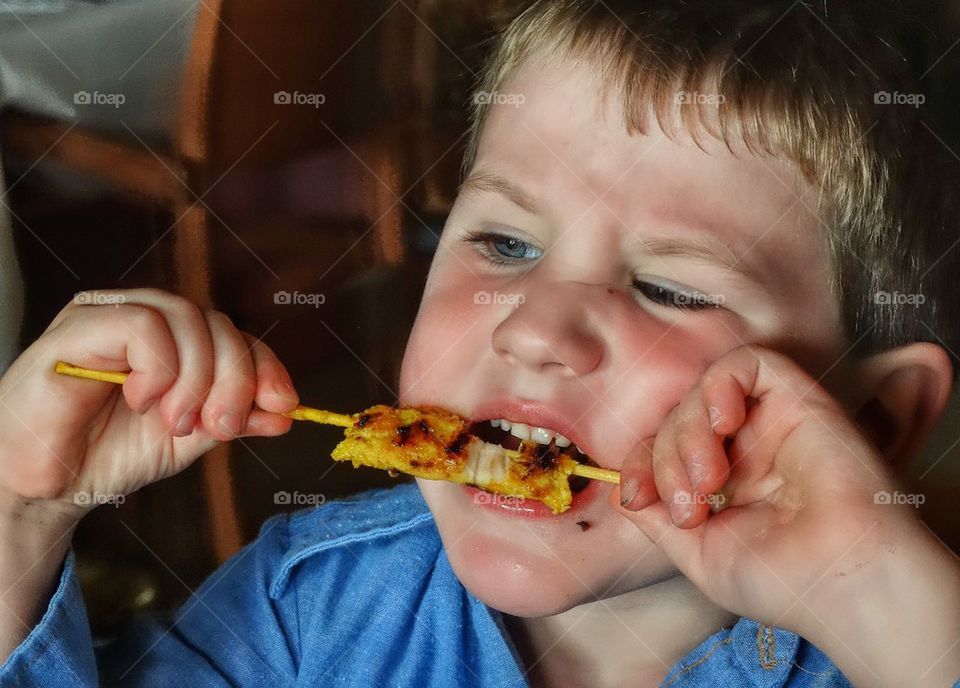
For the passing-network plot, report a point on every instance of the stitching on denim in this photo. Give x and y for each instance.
(701, 660)
(766, 647)
(813, 673)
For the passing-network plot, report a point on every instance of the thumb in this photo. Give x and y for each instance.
(636, 499)
(681, 545)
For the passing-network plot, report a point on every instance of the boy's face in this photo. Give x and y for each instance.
(576, 337)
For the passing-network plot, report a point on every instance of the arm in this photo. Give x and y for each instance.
(33, 544)
(194, 380)
(230, 632)
(896, 622)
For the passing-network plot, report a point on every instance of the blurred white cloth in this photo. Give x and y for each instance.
(110, 66)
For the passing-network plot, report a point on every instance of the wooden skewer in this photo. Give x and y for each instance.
(312, 414)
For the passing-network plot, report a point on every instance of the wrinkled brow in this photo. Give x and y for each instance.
(490, 182)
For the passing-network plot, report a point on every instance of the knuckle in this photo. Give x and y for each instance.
(219, 318)
(140, 318)
(187, 310)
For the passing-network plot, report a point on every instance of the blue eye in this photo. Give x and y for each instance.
(678, 298)
(513, 248)
(502, 249)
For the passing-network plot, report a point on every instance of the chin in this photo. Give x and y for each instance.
(512, 580)
(532, 568)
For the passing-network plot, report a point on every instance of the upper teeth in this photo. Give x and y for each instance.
(527, 432)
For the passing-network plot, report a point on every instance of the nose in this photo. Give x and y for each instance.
(549, 332)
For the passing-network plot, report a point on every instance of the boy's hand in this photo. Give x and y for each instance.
(800, 538)
(195, 380)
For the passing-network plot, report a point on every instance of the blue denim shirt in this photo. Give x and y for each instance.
(353, 593)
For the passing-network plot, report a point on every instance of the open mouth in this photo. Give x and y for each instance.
(549, 443)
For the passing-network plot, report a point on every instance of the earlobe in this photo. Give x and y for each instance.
(905, 391)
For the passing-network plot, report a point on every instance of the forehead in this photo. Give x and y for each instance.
(553, 132)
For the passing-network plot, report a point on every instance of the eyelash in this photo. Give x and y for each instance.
(670, 298)
(485, 243)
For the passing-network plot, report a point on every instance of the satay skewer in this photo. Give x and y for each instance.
(349, 422)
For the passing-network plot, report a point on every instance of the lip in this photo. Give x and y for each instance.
(536, 414)
(530, 508)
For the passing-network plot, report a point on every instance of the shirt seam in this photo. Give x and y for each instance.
(689, 667)
(766, 647)
(283, 575)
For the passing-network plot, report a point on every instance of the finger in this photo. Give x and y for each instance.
(125, 337)
(701, 449)
(637, 488)
(754, 373)
(670, 476)
(265, 424)
(182, 403)
(275, 392)
(759, 397)
(682, 546)
(229, 402)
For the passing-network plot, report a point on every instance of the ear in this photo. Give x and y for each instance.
(903, 394)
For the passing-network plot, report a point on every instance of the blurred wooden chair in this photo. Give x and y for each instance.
(243, 57)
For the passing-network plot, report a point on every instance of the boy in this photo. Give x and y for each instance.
(667, 252)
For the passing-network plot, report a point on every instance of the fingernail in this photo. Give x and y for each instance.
(681, 507)
(186, 424)
(229, 424)
(285, 389)
(697, 472)
(629, 487)
(715, 417)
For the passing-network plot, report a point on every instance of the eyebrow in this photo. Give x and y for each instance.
(490, 182)
(708, 248)
(712, 250)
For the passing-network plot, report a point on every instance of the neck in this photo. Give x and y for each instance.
(631, 639)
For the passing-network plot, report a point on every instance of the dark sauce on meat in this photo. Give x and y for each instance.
(546, 459)
(458, 443)
(403, 434)
(413, 433)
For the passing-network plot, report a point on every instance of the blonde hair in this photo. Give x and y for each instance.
(833, 88)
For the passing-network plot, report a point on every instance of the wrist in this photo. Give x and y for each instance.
(34, 538)
(894, 619)
(36, 519)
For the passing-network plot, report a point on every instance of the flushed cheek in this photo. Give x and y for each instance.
(444, 353)
(652, 368)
